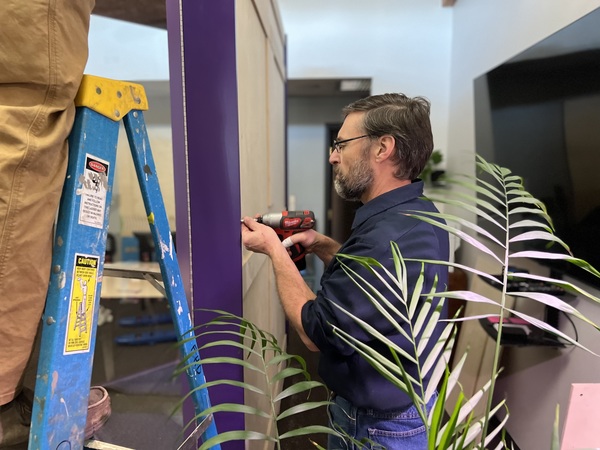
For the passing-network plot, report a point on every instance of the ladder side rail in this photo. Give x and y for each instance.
(71, 311)
(137, 135)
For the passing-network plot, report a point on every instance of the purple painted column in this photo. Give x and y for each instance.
(204, 113)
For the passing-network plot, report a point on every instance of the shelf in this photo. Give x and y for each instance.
(518, 333)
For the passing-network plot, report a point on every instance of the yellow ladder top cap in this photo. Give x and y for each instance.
(111, 98)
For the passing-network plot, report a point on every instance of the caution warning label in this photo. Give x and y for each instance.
(94, 187)
(81, 304)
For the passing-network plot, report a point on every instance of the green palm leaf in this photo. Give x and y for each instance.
(260, 353)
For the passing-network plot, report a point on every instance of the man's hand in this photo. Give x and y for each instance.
(259, 238)
(306, 239)
(313, 242)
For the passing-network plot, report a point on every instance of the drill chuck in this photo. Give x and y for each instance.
(270, 219)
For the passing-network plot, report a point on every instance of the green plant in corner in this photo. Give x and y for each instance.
(435, 159)
(261, 354)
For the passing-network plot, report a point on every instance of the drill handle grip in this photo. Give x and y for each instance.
(298, 255)
(297, 251)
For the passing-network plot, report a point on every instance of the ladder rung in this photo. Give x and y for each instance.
(118, 271)
(152, 276)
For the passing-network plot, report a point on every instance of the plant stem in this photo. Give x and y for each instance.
(500, 323)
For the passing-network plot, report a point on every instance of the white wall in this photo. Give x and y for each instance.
(127, 51)
(403, 45)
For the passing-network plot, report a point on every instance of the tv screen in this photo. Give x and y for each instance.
(539, 115)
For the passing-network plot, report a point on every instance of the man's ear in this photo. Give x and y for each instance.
(386, 147)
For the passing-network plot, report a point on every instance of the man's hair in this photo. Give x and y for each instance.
(407, 120)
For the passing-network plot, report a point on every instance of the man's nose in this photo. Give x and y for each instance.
(334, 158)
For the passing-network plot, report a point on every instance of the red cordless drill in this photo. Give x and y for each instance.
(287, 223)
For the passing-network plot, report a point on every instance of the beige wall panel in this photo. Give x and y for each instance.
(276, 114)
(261, 305)
(262, 173)
(277, 316)
(270, 18)
(257, 299)
(252, 94)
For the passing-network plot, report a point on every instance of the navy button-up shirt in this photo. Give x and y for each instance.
(375, 225)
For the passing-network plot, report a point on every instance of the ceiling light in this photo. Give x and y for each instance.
(355, 85)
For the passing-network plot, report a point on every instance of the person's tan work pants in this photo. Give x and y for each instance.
(43, 52)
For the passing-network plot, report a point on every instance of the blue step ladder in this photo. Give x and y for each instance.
(71, 314)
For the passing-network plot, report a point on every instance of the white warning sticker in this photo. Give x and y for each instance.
(94, 187)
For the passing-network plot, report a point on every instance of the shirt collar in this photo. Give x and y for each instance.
(388, 200)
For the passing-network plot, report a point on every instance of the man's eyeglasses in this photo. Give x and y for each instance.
(337, 145)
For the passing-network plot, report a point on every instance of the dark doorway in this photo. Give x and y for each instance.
(340, 212)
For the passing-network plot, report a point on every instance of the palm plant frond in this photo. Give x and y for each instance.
(513, 212)
(259, 353)
(422, 315)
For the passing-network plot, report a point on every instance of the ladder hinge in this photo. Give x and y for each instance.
(111, 98)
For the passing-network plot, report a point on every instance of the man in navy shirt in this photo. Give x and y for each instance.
(382, 147)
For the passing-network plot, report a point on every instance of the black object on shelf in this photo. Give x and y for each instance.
(517, 331)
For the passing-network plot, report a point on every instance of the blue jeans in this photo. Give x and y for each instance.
(390, 430)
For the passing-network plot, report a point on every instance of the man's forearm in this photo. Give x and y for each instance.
(325, 248)
(293, 292)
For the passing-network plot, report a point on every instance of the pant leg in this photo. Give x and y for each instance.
(342, 418)
(43, 51)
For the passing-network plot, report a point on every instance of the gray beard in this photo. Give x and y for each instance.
(353, 185)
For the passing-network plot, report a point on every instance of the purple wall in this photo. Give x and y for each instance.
(208, 215)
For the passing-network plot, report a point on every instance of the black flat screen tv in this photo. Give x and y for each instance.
(539, 115)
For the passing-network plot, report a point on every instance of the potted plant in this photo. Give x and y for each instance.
(431, 174)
